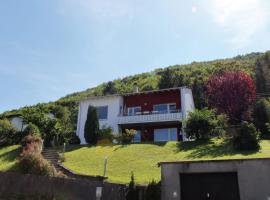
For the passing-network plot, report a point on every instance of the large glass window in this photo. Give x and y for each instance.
(165, 134)
(137, 137)
(165, 108)
(102, 112)
(134, 110)
(161, 108)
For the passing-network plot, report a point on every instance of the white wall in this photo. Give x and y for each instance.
(17, 122)
(187, 105)
(113, 103)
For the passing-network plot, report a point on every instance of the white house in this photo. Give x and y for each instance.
(156, 115)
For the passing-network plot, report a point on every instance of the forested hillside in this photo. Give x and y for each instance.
(193, 75)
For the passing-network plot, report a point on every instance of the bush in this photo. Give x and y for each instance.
(75, 139)
(31, 144)
(153, 191)
(91, 129)
(7, 133)
(106, 133)
(34, 163)
(247, 137)
(126, 136)
(261, 115)
(132, 192)
(203, 123)
(32, 129)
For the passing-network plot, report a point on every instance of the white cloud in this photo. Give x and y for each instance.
(241, 19)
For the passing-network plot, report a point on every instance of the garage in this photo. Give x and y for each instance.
(237, 179)
(209, 186)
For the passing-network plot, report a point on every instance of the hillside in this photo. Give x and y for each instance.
(142, 159)
(193, 75)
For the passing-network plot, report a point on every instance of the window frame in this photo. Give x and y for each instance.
(98, 107)
(169, 134)
(133, 110)
(167, 106)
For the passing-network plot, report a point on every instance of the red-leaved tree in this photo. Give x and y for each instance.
(231, 93)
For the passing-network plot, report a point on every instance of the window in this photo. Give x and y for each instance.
(137, 137)
(161, 108)
(102, 112)
(165, 134)
(134, 111)
(165, 108)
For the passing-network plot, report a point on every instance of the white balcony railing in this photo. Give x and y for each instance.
(159, 117)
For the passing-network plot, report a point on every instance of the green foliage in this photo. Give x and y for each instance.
(153, 191)
(203, 123)
(7, 133)
(263, 73)
(106, 133)
(247, 137)
(261, 115)
(74, 139)
(31, 129)
(91, 129)
(132, 192)
(126, 136)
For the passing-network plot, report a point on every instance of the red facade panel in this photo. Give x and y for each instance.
(146, 101)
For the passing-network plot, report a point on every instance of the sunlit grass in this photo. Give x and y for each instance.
(142, 159)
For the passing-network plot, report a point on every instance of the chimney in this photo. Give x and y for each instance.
(135, 88)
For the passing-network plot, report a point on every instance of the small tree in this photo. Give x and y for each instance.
(202, 123)
(31, 129)
(153, 191)
(7, 132)
(231, 93)
(261, 115)
(91, 128)
(247, 137)
(132, 192)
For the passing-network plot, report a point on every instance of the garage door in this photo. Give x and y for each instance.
(209, 186)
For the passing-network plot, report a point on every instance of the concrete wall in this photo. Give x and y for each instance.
(68, 189)
(253, 176)
(113, 103)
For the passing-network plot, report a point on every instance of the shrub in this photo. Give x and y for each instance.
(231, 93)
(203, 123)
(91, 129)
(106, 133)
(32, 129)
(75, 139)
(7, 133)
(132, 192)
(34, 163)
(153, 191)
(126, 136)
(247, 137)
(31, 144)
(261, 115)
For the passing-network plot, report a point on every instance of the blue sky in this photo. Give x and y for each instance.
(55, 47)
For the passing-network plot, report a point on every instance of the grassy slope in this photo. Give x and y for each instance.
(142, 159)
(8, 157)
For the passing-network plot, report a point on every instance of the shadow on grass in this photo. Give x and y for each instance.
(200, 149)
(10, 155)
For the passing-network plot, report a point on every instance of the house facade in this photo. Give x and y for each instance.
(155, 115)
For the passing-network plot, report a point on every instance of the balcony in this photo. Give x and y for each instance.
(150, 117)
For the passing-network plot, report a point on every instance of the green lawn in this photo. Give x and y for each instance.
(142, 159)
(8, 156)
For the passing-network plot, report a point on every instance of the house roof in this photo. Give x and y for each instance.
(131, 93)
